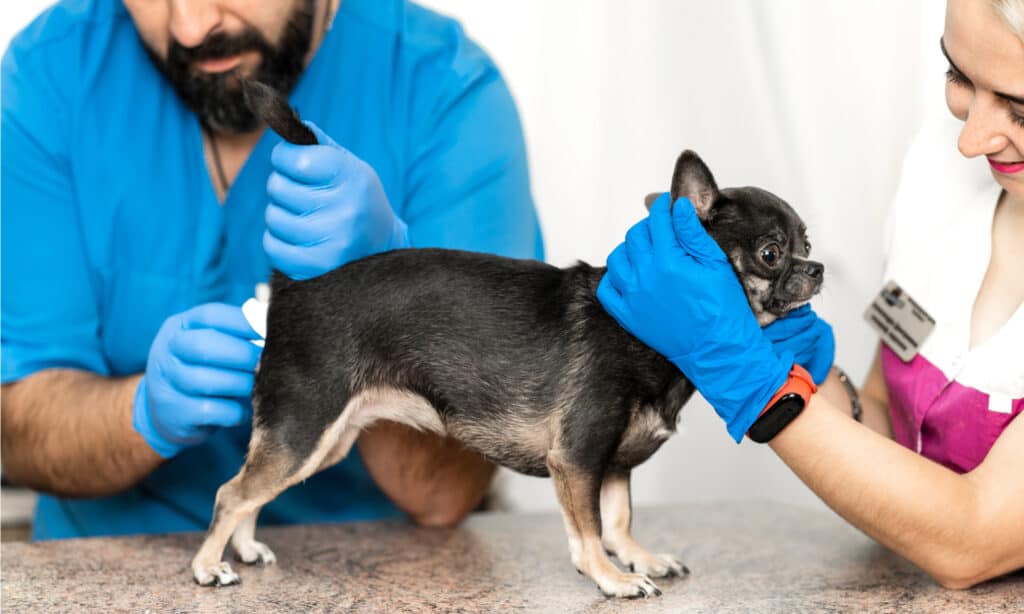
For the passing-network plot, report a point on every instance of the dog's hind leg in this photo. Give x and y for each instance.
(269, 469)
(578, 490)
(247, 549)
(267, 472)
(616, 514)
(243, 541)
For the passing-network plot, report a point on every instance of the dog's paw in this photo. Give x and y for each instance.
(630, 585)
(218, 575)
(656, 565)
(254, 552)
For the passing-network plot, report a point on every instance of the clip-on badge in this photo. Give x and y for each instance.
(899, 320)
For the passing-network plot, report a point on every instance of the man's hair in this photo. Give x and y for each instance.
(1012, 12)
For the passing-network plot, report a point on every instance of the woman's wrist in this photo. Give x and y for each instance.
(856, 409)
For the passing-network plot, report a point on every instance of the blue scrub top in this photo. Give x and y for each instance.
(110, 223)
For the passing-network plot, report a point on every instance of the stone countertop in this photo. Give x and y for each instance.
(745, 556)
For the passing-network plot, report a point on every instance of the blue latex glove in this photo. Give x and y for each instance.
(671, 286)
(327, 208)
(808, 338)
(199, 377)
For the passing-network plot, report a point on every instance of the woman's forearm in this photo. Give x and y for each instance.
(944, 522)
(69, 433)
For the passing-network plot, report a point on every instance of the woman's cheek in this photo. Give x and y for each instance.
(958, 100)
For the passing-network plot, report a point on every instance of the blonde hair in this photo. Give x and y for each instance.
(1012, 12)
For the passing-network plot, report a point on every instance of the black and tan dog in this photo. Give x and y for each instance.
(514, 358)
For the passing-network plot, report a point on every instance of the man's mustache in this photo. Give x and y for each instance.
(217, 45)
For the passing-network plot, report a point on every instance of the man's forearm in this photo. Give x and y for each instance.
(925, 512)
(433, 479)
(69, 433)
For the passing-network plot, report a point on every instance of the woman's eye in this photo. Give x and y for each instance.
(770, 255)
(1017, 118)
(956, 78)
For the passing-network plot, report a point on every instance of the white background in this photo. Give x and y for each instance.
(815, 101)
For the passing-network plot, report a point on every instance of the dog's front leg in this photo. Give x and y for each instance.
(578, 492)
(616, 514)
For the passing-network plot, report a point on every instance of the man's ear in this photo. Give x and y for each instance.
(693, 180)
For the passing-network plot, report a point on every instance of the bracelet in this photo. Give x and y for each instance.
(855, 408)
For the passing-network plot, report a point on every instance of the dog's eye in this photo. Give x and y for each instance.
(770, 254)
(807, 247)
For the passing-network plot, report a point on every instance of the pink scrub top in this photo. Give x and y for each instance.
(951, 402)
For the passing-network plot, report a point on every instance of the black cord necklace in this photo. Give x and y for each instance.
(221, 175)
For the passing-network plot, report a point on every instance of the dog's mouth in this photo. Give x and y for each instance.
(779, 307)
(794, 292)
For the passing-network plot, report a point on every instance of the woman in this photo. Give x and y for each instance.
(935, 469)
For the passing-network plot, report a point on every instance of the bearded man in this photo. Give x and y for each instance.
(143, 202)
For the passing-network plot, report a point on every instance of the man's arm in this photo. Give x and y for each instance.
(69, 433)
(435, 480)
(961, 529)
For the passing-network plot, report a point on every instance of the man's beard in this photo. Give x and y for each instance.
(217, 98)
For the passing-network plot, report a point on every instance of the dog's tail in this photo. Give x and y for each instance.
(272, 108)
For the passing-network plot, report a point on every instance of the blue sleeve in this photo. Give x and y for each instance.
(468, 181)
(49, 303)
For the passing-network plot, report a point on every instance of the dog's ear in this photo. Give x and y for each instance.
(693, 180)
(650, 198)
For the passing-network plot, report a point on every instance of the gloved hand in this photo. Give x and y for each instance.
(199, 377)
(327, 208)
(671, 286)
(808, 338)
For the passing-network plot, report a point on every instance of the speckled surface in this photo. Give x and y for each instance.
(754, 556)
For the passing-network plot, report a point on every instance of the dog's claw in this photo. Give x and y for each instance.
(652, 565)
(628, 585)
(221, 575)
(255, 553)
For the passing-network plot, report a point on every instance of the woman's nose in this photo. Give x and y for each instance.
(984, 131)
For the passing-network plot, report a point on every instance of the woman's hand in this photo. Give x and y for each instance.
(671, 286)
(808, 338)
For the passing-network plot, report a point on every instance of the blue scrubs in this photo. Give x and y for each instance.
(110, 223)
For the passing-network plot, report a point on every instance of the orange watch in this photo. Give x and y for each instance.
(785, 406)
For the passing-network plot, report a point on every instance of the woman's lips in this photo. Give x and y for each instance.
(1007, 167)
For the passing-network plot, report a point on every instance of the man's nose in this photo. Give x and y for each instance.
(984, 130)
(193, 20)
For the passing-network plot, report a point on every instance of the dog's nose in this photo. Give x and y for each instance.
(814, 270)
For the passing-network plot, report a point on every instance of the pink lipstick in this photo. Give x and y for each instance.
(1007, 167)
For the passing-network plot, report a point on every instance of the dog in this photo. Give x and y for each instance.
(516, 359)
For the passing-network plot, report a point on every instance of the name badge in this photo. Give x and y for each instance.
(902, 324)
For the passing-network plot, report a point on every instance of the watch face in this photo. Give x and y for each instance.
(776, 418)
